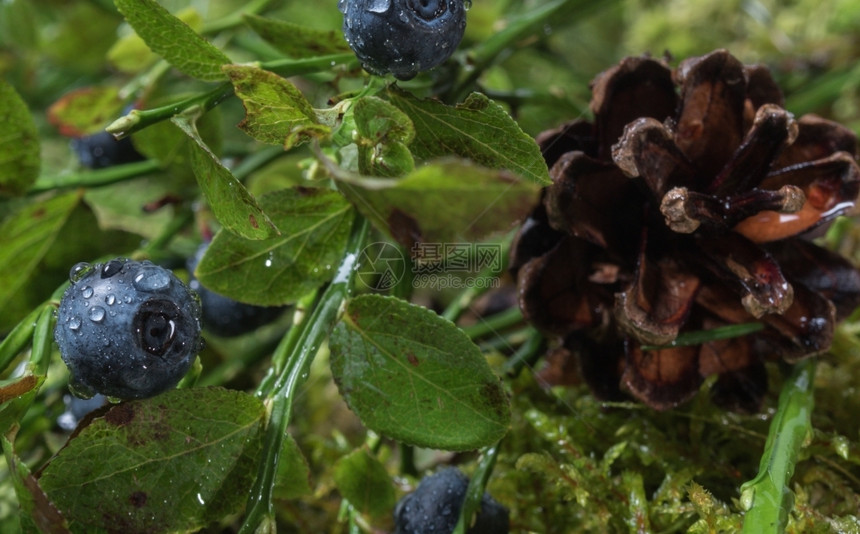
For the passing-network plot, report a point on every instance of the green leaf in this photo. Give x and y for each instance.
(364, 482)
(175, 462)
(446, 201)
(293, 476)
(130, 54)
(173, 40)
(37, 512)
(478, 129)
(314, 227)
(85, 111)
(276, 112)
(233, 206)
(295, 40)
(382, 133)
(19, 143)
(28, 235)
(414, 376)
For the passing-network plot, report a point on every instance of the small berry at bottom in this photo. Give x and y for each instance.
(434, 507)
(127, 329)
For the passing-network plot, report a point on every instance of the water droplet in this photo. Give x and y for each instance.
(151, 278)
(74, 323)
(200, 500)
(97, 314)
(87, 292)
(79, 271)
(269, 259)
(110, 299)
(111, 268)
(127, 299)
(467, 5)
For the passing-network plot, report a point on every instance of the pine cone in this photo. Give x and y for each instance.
(687, 205)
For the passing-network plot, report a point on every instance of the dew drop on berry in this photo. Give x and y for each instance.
(110, 299)
(97, 314)
(87, 292)
(378, 6)
(79, 271)
(151, 279)
(74, 323)
(111, 268)
(79, 389)
(127, 299)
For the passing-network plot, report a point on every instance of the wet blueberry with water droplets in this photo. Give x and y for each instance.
(403, 37)
(224, 316)
(147, 341)
(434, 507)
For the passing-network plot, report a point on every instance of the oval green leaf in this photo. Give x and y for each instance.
(172, 463)
(414, 376)
(363, 481)
(314, 226)
(19, 143)
(276, 112)
(234, 207)
(478, 129)
(173, 40)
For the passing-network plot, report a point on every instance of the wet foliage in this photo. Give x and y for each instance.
(671, 360)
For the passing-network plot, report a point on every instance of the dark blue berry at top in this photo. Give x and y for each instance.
(102, 150)
(402, 37)
(127, 329)
(434, 507)
(224, 316)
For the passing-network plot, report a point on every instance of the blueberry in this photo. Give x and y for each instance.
(102, 150)
(224, 316)
(403, 37)
(78, 408)
(127, 329)
(434, 507)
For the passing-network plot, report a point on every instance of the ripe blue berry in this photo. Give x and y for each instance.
(127, 329)
(403, 37)
(224, 316)
(434, 507)
(102, 150)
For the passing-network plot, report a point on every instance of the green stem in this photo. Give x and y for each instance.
(18, 338)
(475, 491)
(300, 348)
(139, 119)
(526, 354)
(483, 55)
(110, 175)
(767, 498)
(494, 323)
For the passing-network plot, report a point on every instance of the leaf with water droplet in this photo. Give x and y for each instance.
(413, 376)
(141, 455)
(233, 206)
(314, 227)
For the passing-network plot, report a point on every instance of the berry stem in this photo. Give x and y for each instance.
(299, 349)
(767, 498)
(139, 119)
(95, 178)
